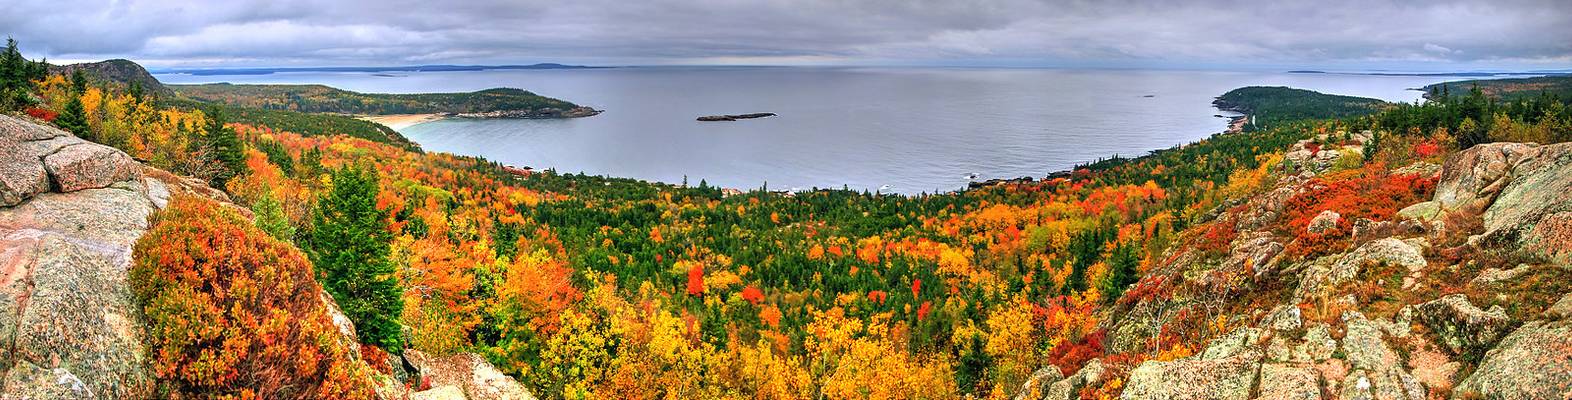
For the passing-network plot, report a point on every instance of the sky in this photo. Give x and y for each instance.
(1426, 35)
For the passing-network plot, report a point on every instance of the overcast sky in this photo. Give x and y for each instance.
(1330, 34)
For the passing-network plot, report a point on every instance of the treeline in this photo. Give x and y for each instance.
(1474, 117)
(294, 121)
(1509, 90)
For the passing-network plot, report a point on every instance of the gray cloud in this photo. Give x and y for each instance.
(1502, 33)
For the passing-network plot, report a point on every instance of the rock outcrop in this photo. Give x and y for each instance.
(1534, 362)
(478, 379)
(1462, 327)
(68, 324)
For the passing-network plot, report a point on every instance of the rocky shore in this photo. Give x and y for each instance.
(540, 113)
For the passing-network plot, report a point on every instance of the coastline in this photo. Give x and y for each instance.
(401, 121)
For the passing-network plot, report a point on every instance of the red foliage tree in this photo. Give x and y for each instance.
(696, 280)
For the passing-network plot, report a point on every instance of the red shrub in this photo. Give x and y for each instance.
(42, 114)
(234, 313)
(1069, 357)
(1372, 192)
(1427, 148)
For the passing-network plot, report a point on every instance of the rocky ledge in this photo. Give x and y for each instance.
(70, 212)
(1438, 328)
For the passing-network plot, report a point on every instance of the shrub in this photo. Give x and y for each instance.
(234, 313)
(1371, 192)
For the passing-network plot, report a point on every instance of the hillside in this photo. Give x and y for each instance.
(117, 72)
(1389, 256)
(1275, 105)
(323, 99)
(1507, 89)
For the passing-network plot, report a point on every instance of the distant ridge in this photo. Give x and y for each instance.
(1475, 74)
(407, 68)
(119, 72)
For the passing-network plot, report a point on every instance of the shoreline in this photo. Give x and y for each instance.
(401, 121)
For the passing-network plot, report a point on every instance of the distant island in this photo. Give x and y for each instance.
(734, 117)
(489, 103)
(407, 68)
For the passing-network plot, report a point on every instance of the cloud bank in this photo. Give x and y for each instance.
(1354, 33)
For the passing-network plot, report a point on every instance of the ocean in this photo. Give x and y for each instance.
(903, 130)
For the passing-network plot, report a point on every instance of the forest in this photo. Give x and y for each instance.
(601, 287)
(1514, 89)
(324, 99)
(1271, 105)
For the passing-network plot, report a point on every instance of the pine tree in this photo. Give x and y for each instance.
(349, 248)
(227, 149)
(74, 119)
(78, 81)
(16, 76)
(270, 217)
(136, 91)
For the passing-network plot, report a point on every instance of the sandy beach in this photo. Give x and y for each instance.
(401, 121)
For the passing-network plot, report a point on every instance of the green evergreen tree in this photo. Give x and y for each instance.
(136, 91)
(349, 248)
(74, 119)
(270, 217)
(16, 76)
(227, 149)
(78, 81)
(1124, 269)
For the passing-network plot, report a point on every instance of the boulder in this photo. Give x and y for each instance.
(1533, 362)
(1325, 221)
(89, 166)
(23, 145)
(1318, 343)
(1531, 211)
(1288, 382)
(21, 173)
(1255, 251)
(1422, 211)
(28, 381)
(1070, 387)
(447, 392)
(1323, 275)
(1461, 326)
(478, 378)
(1284, 318)
(1037, 385)
(1233, 343)
(1195, 378)
(1493, 276)
(1377, 370)
(1471, 179)
(1562, 308)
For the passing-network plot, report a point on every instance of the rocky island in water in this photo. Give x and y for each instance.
(734, 117)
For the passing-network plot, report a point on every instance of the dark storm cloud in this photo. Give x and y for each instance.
(1331, 32)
